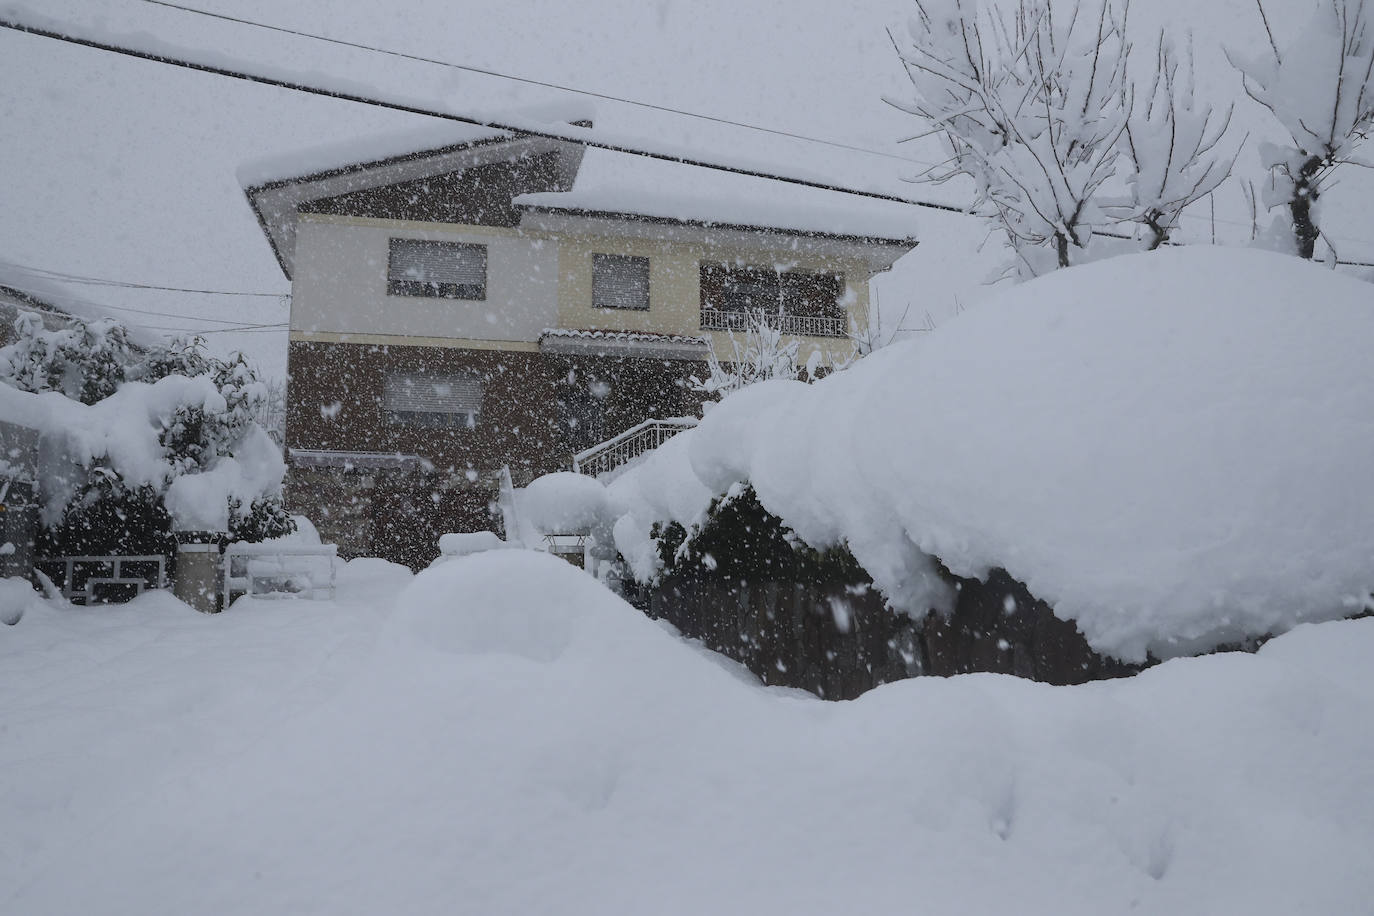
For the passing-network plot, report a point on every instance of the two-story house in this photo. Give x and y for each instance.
(504, 300)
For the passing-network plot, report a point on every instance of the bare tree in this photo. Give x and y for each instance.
(1319, 86)
(1032, 101)
(1172, 154)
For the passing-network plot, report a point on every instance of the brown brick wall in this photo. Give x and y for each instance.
(334, 400)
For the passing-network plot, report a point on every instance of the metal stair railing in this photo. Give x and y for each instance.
(620, 450)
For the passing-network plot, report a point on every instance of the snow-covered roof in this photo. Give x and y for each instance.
(601, 183)
(628, 186)
(277, 202)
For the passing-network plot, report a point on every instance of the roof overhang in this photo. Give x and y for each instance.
(569, 342)
(878, 253)
(276, 204)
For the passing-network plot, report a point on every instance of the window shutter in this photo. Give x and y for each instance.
(435, 268)
(620, 281)
(432, 394)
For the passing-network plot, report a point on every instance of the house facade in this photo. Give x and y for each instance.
(463, 308)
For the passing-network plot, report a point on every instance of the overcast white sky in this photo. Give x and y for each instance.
(127, 169)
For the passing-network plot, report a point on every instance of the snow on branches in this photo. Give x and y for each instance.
(1172, 149)
(1038, 106)
(1032, 100)
(1318, 83)
(763, 353)
(148, 439)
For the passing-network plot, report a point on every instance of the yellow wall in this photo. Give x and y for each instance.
(340, 286)
(675, 288)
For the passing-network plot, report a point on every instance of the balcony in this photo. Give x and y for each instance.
(798, 325)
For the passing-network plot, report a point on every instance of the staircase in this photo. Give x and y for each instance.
(620, 450)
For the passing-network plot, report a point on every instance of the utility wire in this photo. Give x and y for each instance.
(408, 108)
(131, 284)
(48, 296)
(74, 300)
(667, 109)
(597, 95)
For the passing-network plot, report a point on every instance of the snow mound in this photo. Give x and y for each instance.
(16, 597)
(563, 503)
(1171, 448)
(510, 602)
(462, 543)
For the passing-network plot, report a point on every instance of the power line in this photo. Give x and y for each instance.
(86, 303)
(280, 326)
(131, 284)
(667, 109)
(567, 137)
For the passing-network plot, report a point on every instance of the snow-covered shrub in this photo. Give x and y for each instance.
(84, 361)
(1318, 83)
(739, 542)
(145, 440)
(763, 352)
(1170, 449)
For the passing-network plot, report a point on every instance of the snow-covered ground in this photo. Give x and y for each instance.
(501, 735)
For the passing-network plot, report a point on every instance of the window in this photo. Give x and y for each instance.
(443, 270)
(620, 281)
(444, 401)
(794, 301)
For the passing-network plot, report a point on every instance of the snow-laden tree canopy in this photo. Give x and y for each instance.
(1032, 100)
(1318, 82)
(166, 429)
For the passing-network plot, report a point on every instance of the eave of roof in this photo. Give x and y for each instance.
(907, 243)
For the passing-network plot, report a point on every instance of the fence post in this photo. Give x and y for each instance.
(197, 579)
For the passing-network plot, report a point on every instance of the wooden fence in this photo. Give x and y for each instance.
(839, 641)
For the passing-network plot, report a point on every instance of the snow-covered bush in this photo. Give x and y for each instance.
(1318, 84)
(141, 441)
(763, 352)
(1170, 449)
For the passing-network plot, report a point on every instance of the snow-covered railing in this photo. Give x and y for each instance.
(629, 445)
(92, 579)
(270, 570)
(800, 325)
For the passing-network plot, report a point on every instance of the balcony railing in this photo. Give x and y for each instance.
(620, 450)
(800, 325)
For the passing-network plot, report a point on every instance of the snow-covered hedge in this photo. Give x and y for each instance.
(1172, 449)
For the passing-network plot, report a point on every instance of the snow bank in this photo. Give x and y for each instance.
(514, 739)
(1172, 449)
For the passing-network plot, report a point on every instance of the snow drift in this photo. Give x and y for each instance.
(512, 738)
(1172, 449)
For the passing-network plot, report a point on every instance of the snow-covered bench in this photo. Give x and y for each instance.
(279, 570)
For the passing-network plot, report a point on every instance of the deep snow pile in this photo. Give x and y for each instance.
(1172, 449)
(511, 738)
